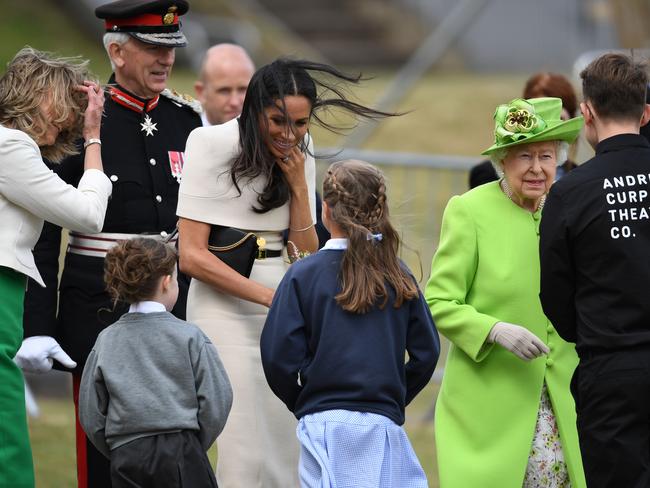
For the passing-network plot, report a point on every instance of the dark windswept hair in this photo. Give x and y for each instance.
(616, 86)
(355, 192)
(133, 267)
(33, 77)
(319, 83)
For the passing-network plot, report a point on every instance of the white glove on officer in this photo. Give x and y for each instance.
(36, 355)
(518, 340)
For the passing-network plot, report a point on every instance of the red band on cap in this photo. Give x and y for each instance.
(153, 20)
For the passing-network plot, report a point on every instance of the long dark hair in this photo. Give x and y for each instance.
(271, 83)
(355, 192)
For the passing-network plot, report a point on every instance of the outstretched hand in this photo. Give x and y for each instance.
(94, 109)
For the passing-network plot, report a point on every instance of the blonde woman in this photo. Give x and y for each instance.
(42, 100)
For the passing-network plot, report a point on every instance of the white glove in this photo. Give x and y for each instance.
(518, 340)
(36, 355)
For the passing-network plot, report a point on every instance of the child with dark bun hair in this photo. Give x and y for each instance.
(154, 394)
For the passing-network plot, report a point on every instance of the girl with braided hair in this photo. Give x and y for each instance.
(335, 339)
(154, 394)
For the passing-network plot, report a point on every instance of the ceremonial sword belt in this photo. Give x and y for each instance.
(96, 245)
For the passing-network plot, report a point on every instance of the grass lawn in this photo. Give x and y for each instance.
(52, 436)
(448, 113)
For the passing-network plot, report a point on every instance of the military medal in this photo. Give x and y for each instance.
(148, 126)
(176, 161)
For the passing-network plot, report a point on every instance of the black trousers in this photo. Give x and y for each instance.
(612, 395)
(162, 461)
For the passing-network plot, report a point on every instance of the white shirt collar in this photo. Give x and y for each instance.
(204, 119)
(147, 307)
(338, 244)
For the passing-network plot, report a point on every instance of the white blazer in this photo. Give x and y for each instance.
(31, 193)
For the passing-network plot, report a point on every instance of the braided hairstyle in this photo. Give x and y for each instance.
(133, 268)
(355, 192)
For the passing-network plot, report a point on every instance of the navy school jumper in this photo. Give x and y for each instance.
(317, 356)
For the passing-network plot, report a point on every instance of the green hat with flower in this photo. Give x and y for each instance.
(533, 120)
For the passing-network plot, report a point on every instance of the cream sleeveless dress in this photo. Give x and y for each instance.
(258, 447)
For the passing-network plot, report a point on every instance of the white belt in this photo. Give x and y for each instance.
(96, 245)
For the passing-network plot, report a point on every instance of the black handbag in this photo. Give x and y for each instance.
(236, 248)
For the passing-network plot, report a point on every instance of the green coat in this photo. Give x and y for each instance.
(486, 270)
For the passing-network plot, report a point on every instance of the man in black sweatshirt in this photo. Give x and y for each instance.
(595, 274)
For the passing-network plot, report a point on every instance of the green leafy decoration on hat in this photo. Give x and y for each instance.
(516, 121)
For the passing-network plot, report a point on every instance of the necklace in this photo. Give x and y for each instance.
(505, 188)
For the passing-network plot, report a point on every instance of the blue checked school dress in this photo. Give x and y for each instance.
(348, 449)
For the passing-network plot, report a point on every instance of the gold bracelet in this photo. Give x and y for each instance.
(303, 230)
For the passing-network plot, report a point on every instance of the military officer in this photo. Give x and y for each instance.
(143, 137)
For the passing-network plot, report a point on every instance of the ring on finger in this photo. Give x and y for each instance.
(285, 159)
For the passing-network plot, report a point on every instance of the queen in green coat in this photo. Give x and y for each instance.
(505, 417)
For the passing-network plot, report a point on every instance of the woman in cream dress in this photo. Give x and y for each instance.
(255, 173)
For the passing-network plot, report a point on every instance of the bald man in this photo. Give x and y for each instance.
(223, 79)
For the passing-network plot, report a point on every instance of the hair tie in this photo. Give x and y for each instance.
(374, 237)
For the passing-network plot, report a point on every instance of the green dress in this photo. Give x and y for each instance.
(486, 270)
(16, 468)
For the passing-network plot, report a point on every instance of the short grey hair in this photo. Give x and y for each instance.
(497, 157)
(118, 38)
